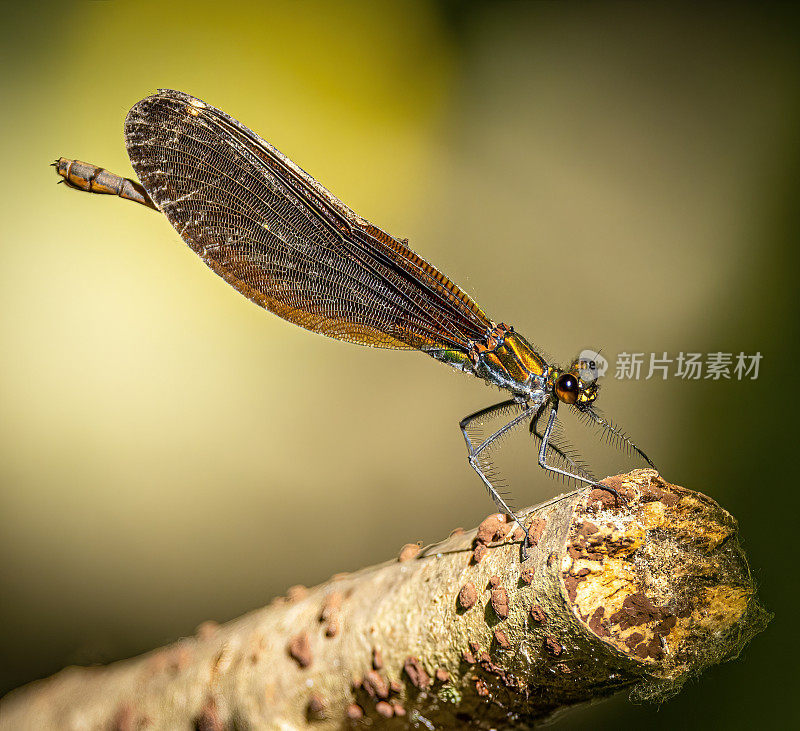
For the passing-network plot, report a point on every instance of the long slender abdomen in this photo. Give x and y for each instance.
(94, 179)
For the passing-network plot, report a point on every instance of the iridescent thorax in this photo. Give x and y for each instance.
(509, 361)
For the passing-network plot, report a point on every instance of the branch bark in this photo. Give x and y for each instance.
(642, 596)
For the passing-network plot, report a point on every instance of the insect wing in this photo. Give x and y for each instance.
(283, 240)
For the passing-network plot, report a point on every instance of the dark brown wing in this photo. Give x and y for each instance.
(285, 242)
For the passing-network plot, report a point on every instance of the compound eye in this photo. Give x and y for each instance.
(567, 388)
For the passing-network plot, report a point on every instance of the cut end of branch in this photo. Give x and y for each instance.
(663, 579)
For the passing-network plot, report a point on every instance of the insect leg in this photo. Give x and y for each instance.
(475, 452)
(618, 437)
(560, 452)
(543, 452)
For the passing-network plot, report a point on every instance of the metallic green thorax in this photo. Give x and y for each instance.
(505, 360)
(512, 364)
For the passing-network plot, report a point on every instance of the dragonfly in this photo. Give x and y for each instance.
(288, 244)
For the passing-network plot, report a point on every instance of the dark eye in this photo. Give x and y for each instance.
(567, 388)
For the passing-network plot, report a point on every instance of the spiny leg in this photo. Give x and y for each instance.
(475, 452)
(563, 453)
(543, 452)
(618, 437)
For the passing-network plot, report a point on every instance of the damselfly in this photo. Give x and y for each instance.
(277, 236)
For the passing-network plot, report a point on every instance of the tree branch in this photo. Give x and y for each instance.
(644, 596)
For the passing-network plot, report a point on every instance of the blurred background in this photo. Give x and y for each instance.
(622, 176)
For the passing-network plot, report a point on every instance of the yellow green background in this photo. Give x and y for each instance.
(622, 176)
